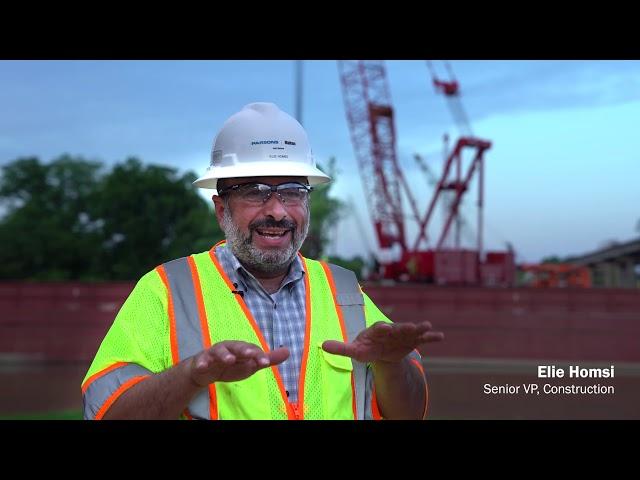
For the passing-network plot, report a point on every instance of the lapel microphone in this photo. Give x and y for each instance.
(237, 292)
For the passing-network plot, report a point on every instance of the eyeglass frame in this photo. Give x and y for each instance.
(272, 189)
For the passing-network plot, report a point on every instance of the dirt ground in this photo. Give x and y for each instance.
(33, 388)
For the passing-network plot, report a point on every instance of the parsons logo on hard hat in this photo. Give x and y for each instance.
(272, 142)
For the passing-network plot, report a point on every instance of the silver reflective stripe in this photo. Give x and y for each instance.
(103, 387)
(188, 329)
(199, 406)
(185, 308)
(415, 355)
(351, 302)
(368, 410)
(349, 298)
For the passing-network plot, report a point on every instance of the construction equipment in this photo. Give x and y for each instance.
(545, 275)
(370, 117)
(451, 90)
(462, 225)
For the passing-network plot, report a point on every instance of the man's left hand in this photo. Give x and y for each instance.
(385, 342)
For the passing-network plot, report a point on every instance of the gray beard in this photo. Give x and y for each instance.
(270, 262)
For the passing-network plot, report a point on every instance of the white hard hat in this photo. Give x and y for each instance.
(261, 141)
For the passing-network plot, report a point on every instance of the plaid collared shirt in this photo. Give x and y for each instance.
(280, 316)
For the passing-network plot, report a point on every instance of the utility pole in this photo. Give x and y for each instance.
(298, 82)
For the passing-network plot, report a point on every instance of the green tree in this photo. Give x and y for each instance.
(325, 211)
(67, 220)
(149, 215)
(46, 232)
(71, 220)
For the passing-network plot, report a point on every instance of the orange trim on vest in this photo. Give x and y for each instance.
(375, 411)
(115, 395)
(221, 242)
(417, 364)
(102, 372)
(353, 397)
(343, 329)
(187, 414)
(307, 338)
(173, 337)
(426, 387)
(291, 414)
(426, 401)
(206, 336)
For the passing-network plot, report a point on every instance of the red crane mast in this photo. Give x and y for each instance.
(370, 117)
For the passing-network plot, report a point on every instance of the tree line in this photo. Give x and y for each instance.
(75, 219)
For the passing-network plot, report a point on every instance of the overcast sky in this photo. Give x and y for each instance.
(562, 176)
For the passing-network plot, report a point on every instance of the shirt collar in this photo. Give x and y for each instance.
(295, 273)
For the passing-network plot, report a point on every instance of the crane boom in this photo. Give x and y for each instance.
(370, 118)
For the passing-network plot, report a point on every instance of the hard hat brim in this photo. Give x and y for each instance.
(263, 169)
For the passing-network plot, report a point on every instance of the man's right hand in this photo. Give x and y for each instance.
(231, 360)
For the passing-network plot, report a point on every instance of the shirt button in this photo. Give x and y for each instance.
(287, 392)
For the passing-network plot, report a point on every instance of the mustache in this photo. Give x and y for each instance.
(272, 223)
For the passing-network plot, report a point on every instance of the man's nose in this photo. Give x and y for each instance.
(273, 207)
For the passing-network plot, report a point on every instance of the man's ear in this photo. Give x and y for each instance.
(218, 206)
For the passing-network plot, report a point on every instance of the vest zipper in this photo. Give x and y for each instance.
(296, 411)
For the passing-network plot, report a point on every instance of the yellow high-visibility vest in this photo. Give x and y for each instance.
(193, 297)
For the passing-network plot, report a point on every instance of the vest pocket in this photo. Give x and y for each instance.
(338, 362)
(337, 391)
(246, 399)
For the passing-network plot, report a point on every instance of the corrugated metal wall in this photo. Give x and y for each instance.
(58, 321)
(563, 324)
(67, 321)
(63, 324)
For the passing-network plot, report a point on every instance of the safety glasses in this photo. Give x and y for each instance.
(291, 193)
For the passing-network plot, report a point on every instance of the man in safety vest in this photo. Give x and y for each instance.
(251, 329)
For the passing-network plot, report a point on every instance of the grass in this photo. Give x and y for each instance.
(58, 415)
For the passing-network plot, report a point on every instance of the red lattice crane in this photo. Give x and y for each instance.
(370, 117)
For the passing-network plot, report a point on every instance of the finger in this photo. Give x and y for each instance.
(220, 353)
(380, 329)
(420, 328)
(216, 354)
(431, 337)
(402, 329)
(250, 365)
(203, 361)
(277, 356)
(423, 327)
(237, 347)
(339, 348)
(244, 350)
(404, 334)
(250, 353)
